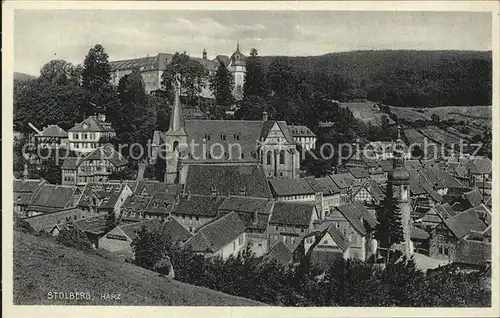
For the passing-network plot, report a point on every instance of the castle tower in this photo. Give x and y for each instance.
(204, 54)
(237, 66)
(399, 181)
(175, 138)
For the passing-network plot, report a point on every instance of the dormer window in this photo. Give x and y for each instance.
(85, 125)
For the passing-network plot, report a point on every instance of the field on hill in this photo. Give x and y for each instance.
(481, 115)
(41, 266)
(366, 111)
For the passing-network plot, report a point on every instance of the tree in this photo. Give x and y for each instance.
(61, 72)
(96, 76)
(149, 247)
(134, 117)
(389, 229)
(55, 94)
(193, 76)
(74, 238)
(221, 84)
(254, 76)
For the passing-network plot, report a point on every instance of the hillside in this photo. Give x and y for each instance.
(407, 78)
(23, 77)
(41, 266)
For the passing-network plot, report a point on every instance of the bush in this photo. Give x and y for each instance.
(74, 238)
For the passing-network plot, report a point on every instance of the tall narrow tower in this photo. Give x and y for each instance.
(399, 181)
(237, 66)
(175, 137)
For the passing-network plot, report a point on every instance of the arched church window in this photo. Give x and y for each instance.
(176, 143)
(268, 158)
(282, 157)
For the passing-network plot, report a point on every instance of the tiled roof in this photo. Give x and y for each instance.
(173, 228)
(342, 180)
(292, 213)
(279, 253)
(197, 205)
(94, 225)
(45, 222)
(464, 222)
(136, 202)
(227, 179)
(287, 187)
(109, 194)
(217, 234)
(300, 131)
(474, 198)
(92, 124)
(161, 202)
(418, 233)
(359, 173)
(148, 63)
(461, 172)
(248, 209)
(213, 132)
(324, 185)
(353, 216)
(27, 185)
(472, 252)
(363, 212)
(107, 152)
(336, 235)
(54, 131)
(51, 198)
(71, 163)
(480, 166)
(246, 204)
(149, 187)
(446, 178)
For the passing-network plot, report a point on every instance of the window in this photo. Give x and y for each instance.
(282, 157)
(446, 251)
(190, 229)
(223, 137)
(325, 241)
(75, 135)
(197, 218)
(268, 158)
(276, 228)
(234, 245)
(207, 137)
(440, 250)
(236, 136)
(240, 239)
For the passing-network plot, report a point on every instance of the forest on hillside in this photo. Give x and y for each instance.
(400, 78)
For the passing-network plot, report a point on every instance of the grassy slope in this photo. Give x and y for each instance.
(41, 266)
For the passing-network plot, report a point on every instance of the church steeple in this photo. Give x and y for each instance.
(177, 126)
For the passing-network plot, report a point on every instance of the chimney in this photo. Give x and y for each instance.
(264, 116)
(102, 118)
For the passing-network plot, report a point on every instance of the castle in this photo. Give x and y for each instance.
(152, 67)
(265, 142)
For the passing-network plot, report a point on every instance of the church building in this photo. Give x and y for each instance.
(398, 182)
(265, 142)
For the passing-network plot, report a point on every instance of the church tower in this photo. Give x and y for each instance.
(175, 138)
(237, 67)
(399, 181)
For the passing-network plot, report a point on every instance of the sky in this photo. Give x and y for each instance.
(44, 35)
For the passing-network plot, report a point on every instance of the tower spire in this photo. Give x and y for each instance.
(237, 45)
(177, 126)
